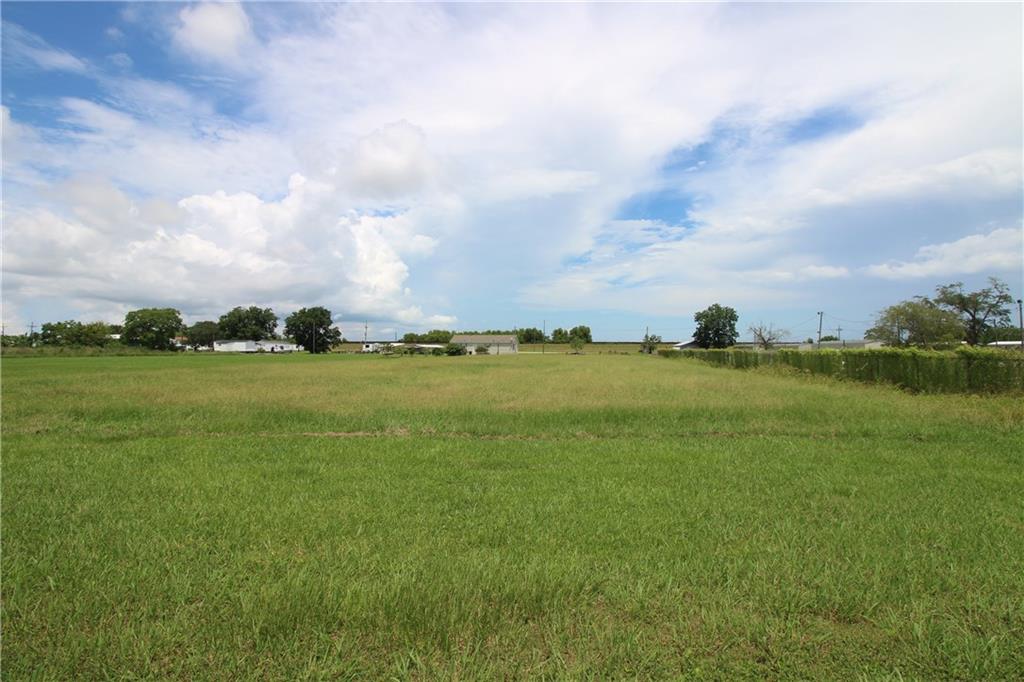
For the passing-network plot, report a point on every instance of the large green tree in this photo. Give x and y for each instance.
(716, 327)
(978, 310)
(251, 324)
(152, 327)
(559, 335)
(203, 334)
(312, 329)
(918, 322)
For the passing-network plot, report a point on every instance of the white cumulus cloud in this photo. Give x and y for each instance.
(999, 250)
(214, 31)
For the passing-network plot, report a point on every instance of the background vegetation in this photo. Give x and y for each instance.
(964, 370)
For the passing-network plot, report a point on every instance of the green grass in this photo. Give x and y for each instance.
(603, 516)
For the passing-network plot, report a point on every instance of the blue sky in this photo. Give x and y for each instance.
(485, 166)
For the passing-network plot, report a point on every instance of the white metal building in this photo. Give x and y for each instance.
(247, 346)
(495, 344)
(378, 346)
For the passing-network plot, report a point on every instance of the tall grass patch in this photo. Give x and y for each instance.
(965, 370)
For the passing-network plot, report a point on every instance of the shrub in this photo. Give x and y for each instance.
(454, 349)
(482, 350)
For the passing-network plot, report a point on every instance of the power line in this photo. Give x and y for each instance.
(840, 319)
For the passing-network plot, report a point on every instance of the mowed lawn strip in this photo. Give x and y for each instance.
(210, 517)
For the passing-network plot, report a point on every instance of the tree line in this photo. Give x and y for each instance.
(163, 329)
(951, 316)
(948, 318)
(524, 335)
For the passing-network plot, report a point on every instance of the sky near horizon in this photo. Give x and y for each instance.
(474, 166)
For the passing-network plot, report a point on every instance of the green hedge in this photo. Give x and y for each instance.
(965, 370)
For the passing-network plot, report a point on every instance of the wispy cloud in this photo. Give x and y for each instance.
(23, 49)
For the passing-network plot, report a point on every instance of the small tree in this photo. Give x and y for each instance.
(152, 327)
(483, 350)
(978, 310)
(829, 337)
(766, 336)
(202, 334)
(576, 344)
(716, 327)
(650, 343)
(311, 328)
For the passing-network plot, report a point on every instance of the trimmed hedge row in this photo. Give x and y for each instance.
(965, 370)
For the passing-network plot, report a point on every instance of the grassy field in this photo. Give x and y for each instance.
(605, 516)
(590, 348)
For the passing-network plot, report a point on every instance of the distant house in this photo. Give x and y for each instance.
(376, 347)
(420, 347)
(247, 346)
(496, 344)
(853, 344)
(683, 345)
(778, 345)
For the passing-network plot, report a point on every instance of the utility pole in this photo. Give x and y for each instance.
(820, 315)
(839, 332)
(544, 339)
(313, 333)
(32, 334)
(365, 325)
(1020, 318)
